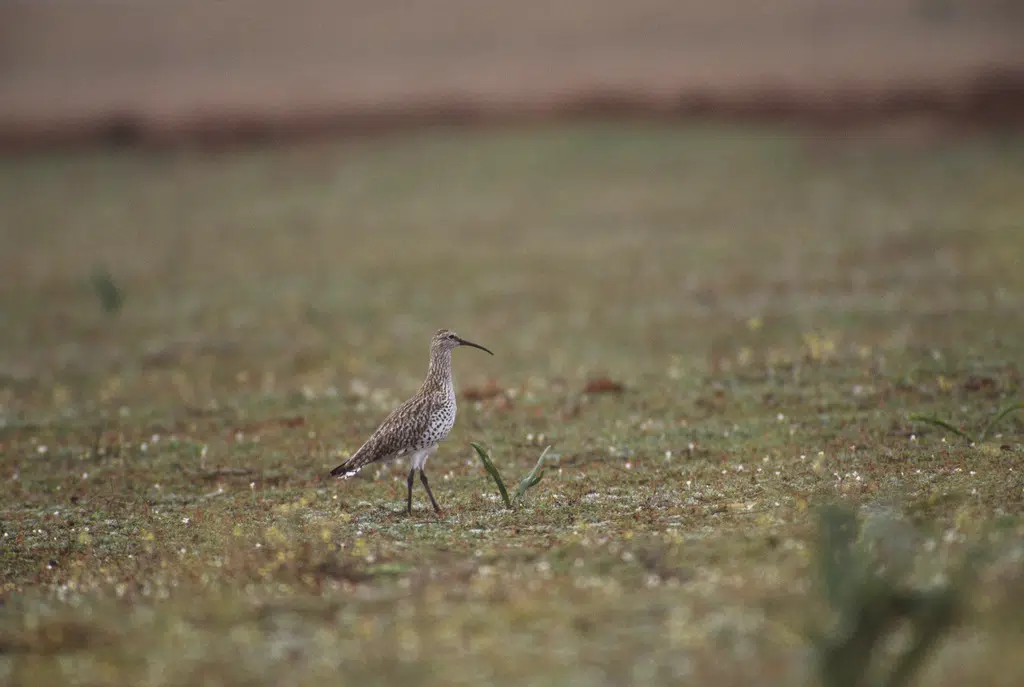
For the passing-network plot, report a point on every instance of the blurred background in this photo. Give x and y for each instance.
(158, 70)
(306, 225)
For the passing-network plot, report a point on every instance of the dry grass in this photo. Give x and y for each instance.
(755, 317)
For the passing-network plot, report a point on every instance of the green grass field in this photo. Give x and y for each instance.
(192, 341)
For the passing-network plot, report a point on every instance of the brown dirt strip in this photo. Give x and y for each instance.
(148, 72)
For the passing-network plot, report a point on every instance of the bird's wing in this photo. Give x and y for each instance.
(393, 438)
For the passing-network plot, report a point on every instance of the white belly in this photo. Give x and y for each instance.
(419, 458)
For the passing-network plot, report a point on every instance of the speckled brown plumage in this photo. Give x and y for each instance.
(416, 427)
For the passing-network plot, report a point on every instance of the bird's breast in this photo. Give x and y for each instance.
(441, 422)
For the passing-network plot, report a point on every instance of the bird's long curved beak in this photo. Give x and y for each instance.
(463, 342)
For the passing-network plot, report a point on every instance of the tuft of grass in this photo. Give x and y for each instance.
(985, 433)
(869, 605)
(110, 296)
(530, 480)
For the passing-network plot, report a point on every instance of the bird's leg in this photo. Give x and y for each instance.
(426, 485)
(412, 473)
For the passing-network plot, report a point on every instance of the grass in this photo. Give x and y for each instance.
(983, 435)
(717, 330)
(871, 602)
(530, 480)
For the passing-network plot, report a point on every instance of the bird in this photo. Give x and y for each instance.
(416, 427)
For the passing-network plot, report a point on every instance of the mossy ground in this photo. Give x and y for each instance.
(774, 308)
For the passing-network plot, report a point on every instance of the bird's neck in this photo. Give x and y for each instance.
(439, 374)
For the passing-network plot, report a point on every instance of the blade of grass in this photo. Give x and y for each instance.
(1018, 405)
(531, 479)
(489, 466)
(943, 424)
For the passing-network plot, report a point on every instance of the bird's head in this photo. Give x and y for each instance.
(445, 340)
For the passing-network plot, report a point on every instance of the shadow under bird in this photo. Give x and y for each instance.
(416, 427)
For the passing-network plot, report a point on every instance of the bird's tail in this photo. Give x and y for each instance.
(366, 454)
(350, 467)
